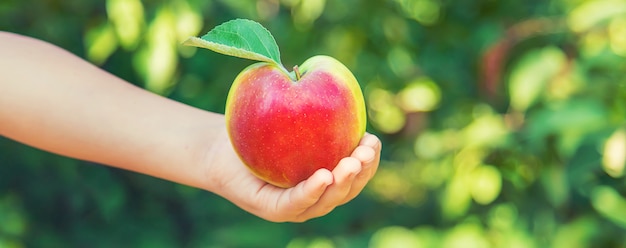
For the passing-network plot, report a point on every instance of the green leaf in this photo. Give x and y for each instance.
(531, 75)
(240, 38)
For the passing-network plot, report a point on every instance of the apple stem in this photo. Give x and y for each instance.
(297, 71)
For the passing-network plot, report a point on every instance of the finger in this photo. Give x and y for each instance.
(344, 173)
(363, 153)
(373, 142)
(309, 191)
(361, 180)
(369, 140)
(368, 152)
(299, 198)
(369, 155)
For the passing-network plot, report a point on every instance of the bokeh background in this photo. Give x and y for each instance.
(502, 123)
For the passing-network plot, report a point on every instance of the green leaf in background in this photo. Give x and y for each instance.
(240, 38)
(549, 126)
(531, 75)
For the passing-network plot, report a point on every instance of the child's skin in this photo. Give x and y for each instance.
(55, 101)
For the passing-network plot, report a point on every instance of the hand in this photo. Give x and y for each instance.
(132, 129)
(314, 197)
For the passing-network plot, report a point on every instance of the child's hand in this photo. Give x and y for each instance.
(314, 197)
(129, 128)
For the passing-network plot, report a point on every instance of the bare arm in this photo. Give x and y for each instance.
(55, 101)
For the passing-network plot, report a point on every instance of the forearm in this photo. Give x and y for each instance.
(57, 102)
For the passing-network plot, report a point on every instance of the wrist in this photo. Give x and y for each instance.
(207, 156)
(206, 139)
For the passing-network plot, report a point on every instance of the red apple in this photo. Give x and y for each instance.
(285, 126)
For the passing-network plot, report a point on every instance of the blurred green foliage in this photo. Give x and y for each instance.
(502, 123)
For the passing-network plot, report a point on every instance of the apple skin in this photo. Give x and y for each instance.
(285, 130)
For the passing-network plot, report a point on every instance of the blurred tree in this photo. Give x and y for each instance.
(502, 123)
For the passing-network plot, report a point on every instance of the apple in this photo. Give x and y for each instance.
(285, 126)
